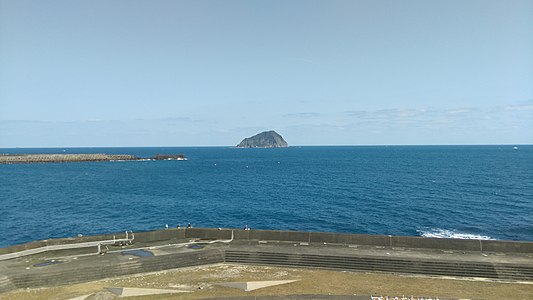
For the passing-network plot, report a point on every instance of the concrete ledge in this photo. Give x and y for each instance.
(371, 240)
(245, 249)
(208, 233)
(506, 246)
(380, 263)
(96, 272)
(276, 235)
(60, 241)
(240, 234)
(298, 236)
(435, 243)
(159, 235)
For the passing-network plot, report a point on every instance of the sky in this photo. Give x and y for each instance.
(99, 73)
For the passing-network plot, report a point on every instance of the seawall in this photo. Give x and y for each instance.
(383, 241)
(46, 158)
(493, 260)
(55, 158)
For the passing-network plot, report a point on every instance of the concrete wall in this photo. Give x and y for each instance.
(365, 239)
(159, 235)
(208, 233)
(420, 265)
(35, 158)
(507, 247)
(22, 247)
(299, 236)
(61, 241)
(141, 265)
(276, 235)
(435, 243)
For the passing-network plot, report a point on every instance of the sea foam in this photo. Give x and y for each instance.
(451, 234)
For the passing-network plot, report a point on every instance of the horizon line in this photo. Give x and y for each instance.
(291, 146)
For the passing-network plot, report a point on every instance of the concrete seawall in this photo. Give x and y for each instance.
(46, 158)
(299, 236)
(495, 260)
(97, 272)
(366, 239)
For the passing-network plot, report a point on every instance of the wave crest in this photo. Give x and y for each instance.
(451, 234)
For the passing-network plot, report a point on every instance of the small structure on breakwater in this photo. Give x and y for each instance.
(170, 157)
(50, 158)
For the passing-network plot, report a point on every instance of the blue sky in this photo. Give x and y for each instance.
(184, 73)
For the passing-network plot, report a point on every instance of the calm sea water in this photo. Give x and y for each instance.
(444, 191)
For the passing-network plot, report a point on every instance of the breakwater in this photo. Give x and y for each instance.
(496, 260)
(47, 158)
(59, 158)
(381, 241)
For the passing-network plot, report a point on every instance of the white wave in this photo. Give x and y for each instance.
(451, 234)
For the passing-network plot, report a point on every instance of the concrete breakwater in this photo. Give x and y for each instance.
(41, 158)
(507, 261)
(49, 158)
(381, 241)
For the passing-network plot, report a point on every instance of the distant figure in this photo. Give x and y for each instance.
(245, 227)
(178, 226)
(166, 226)
(189, 225)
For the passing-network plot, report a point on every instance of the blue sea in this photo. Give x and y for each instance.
(442, 191)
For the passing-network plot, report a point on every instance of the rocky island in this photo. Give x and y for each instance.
(266, 139)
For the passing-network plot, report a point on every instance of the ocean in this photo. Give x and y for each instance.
(481, 192)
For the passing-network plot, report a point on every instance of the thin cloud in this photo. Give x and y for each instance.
(399, 113)
(22, 121)
(460, 111)
(523, 107)
(304, 115)
(356, 113)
